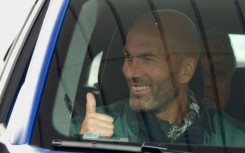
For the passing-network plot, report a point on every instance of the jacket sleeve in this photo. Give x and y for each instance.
(228, 132)
(75, 125)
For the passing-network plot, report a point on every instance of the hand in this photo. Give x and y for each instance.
(95, 122)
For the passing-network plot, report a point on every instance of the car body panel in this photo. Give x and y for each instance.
(20, 37)
(28, 101)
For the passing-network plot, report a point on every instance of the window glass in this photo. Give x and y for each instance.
(164, 71)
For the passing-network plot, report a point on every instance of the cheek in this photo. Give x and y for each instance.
(158, 70)
(155, 74)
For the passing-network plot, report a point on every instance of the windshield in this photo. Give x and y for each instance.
(163, 71)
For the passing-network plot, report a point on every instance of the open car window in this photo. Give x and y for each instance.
(98, 53)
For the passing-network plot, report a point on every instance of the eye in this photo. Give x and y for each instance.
(127, 55)
(147, 58)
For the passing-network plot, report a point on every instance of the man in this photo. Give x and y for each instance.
(162, 51)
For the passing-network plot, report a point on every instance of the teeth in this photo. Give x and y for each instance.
(140, 88)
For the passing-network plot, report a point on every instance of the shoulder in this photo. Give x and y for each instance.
(228, 121)
(226, 130)
(213, 117)
(221, 118)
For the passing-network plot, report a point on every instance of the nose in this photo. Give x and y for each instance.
(132, 68)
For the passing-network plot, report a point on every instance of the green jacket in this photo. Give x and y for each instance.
(213, 127)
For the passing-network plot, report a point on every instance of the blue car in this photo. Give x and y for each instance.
(61, 50)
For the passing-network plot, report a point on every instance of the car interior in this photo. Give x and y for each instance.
(94, 27)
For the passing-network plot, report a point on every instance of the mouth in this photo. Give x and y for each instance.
(139, 94)
(140, 88)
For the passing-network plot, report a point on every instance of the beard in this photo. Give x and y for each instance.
(160, 96)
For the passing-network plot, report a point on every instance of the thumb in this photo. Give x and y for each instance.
(91, 103)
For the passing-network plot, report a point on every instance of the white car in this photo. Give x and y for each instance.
(52, 53)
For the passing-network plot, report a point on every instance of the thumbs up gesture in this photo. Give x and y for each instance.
(95, 122)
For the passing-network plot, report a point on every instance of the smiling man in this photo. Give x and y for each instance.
(161, 54)
(158, 66)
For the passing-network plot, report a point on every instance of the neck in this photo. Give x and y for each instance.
(176, 112)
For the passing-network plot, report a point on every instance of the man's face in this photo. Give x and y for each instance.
(147, 72)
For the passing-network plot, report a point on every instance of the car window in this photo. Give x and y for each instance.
(164, 71)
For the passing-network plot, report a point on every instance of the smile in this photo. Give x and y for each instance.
(140, 88)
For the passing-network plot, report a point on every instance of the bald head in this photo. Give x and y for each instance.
(175, 30)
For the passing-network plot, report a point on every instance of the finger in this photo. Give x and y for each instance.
(102, 117)
(99, 123)
(106, 133)
(101, 130)
(91, 103)
(102, 127)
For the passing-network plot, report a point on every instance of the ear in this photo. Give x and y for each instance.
(187, 69)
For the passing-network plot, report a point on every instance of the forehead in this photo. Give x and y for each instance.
(147, 41)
